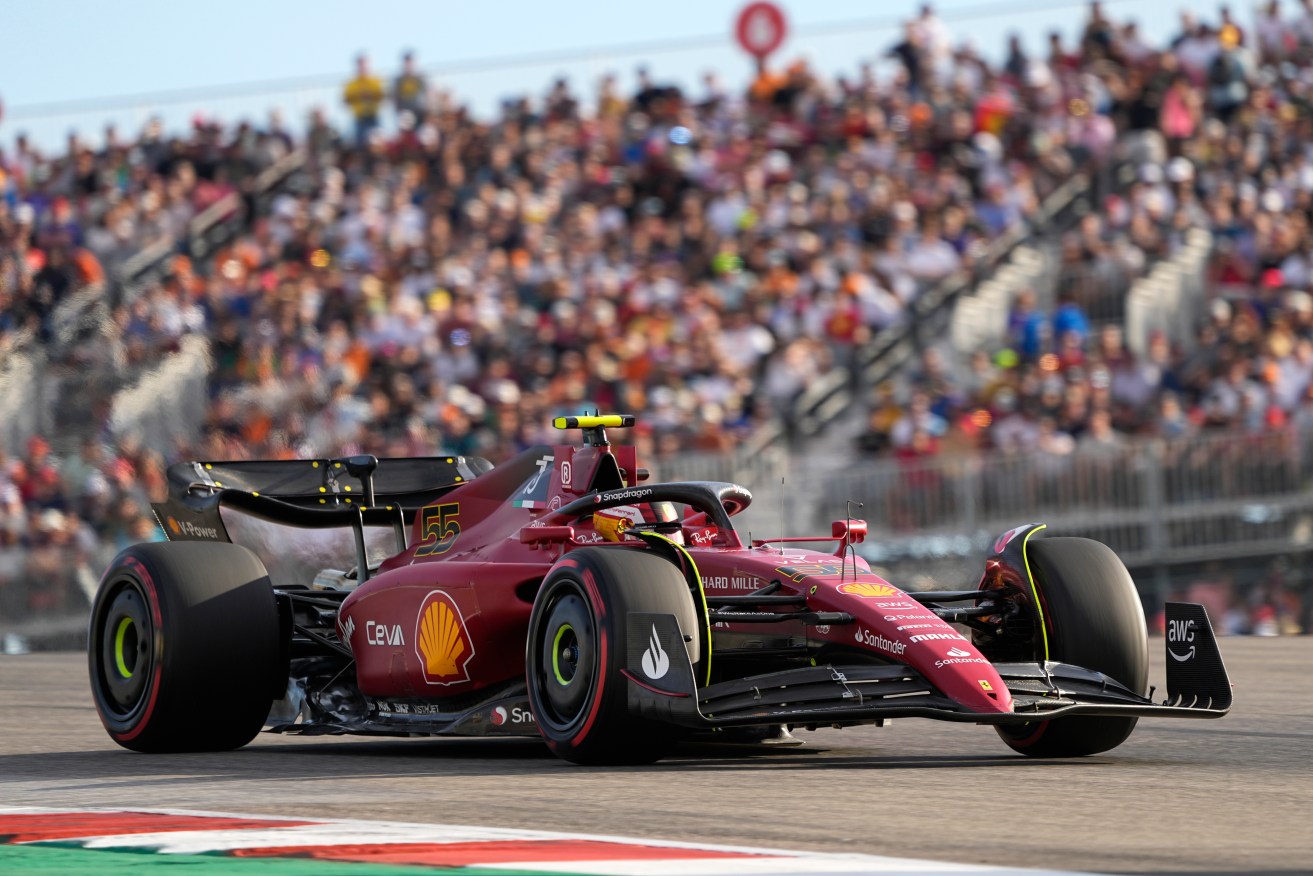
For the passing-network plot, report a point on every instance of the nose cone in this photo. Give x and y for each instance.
(899, 628)
(960, 671)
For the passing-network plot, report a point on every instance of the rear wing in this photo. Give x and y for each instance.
(356, 491)
(411, 482)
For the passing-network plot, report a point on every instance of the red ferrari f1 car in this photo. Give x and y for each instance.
(562, 594)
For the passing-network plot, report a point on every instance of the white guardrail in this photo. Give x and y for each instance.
(168, 404)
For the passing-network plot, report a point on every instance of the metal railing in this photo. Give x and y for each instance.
(208, 230)
(979, 321)
(928, 316)
(1154, 501)
(20, 395)
(36, 370)
(1098, 288)
(1171, 298)
(168, 404)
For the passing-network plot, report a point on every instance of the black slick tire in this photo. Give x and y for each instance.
(1093, 618)
(183, 646)
(576, 650)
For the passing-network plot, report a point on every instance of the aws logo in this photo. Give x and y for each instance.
(869, 590)
(441, 640)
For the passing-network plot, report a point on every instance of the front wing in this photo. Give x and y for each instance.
(1198, 687)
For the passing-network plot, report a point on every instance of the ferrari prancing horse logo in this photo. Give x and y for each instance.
(441, 640)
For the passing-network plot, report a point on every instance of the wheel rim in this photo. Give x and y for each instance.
(567, 657)
(124, 640)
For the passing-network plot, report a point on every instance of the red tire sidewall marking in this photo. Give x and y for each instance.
(152, 598)
(1028, 741)
(603, 643)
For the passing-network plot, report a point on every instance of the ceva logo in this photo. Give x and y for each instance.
(382, 634)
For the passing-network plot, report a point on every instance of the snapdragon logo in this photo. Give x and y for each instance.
(623, 496)
(515, 715)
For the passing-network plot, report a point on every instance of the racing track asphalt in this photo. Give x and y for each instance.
(1226, 796)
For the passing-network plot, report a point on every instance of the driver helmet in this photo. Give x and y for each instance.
(612, 523)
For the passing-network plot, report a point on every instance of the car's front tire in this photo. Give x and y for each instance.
(183, 645)
(577, 648)
(1092, 618)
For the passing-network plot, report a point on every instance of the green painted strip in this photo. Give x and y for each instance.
(59, 860)
(124, 626)
(556, 655)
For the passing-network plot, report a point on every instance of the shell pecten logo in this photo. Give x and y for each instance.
(869, 589)
(442, 641)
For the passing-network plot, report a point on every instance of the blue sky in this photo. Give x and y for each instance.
(77, 65)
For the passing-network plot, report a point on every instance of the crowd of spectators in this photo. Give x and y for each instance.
(441, 282)
(700, 258)
(446, 282)
(1216, 130)
(1212, 132)
(70, 221)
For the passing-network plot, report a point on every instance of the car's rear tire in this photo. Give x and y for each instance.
(183, 646)
(577, 647)
(1093, 618)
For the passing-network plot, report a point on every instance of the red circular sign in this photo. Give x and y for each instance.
(761, 28)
